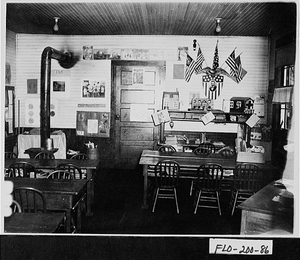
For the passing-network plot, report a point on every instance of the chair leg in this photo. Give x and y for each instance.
(156, 195)
(192, 187)
(234, 202)
(218, 200)
(176, 201)
(197, 203)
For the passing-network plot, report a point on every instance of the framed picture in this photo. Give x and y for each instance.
(93, 88)
(89, 123)
(60, 87)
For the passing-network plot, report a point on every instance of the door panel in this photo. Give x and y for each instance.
(137, 96)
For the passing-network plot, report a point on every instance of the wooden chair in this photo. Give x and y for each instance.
(61, 174)
(15, 206)
(166, 181)
(10, 155)
(76, 173)
(72, 168)
(227, 152)
(22, 169)
(80, 156)
(205, 149)
(202, 149)
(167, 149)
(44, 155)
(246, 181)
(30, 199)
(209, 179)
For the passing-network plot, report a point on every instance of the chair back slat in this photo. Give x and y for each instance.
(44, 155)
(80, 156)
(61, 174)
(167, 173)
(210, 176)
(247, 177)
(167, 149)
(72, 168)
(205, 149)
(22, 169)
(30, 199)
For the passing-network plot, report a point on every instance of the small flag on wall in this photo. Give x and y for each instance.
(199, 61)
(212, 86)
(190, 67)
(240, 71)
(235, 65)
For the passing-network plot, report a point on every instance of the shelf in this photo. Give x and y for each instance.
(220, 116)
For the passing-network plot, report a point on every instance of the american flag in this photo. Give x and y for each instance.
(190, 67)
(216, 58)
(212, 86)
(232, 64)
(199, 61)
(240, 71)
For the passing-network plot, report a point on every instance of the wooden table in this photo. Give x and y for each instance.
(261, 214)
(189, 162)
(33, 222)
(91, 167)
(60, 195)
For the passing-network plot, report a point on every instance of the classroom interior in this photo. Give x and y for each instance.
(114, 79)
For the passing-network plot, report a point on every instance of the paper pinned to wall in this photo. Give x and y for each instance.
(252, 120)
(160, 117)
(208, 118)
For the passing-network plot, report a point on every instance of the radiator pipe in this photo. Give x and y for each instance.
(64, 59)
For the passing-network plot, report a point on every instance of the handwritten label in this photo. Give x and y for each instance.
(240, 246)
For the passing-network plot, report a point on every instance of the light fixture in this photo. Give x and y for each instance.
(218, 27)
(55, 27)
(194, 44)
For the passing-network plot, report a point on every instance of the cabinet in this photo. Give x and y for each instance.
(222, 129)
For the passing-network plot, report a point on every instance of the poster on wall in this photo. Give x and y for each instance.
(95, 124)
(93, 88)
(32, 112)
(60, 87)
(138, 76)
(87, 53)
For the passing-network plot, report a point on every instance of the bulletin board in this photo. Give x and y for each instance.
(93, 124)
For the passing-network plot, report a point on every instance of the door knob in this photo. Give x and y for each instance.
(117, 117)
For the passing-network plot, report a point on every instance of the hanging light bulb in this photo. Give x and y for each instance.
(55, 27)
(218, 27)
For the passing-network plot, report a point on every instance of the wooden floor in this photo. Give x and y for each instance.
(117, 210)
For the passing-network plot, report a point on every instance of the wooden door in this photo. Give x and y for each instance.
(136, 95)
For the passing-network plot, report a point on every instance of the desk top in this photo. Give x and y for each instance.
(53, 186)
(151, 157)
(33, 222)
(262, 202)
(52, 163)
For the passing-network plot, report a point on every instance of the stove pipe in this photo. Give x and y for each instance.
(64, 59)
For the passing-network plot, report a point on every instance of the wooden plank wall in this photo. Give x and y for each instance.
(11, 56)
(255, 56)
(10, 140)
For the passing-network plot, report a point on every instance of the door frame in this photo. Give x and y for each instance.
(114, 64)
